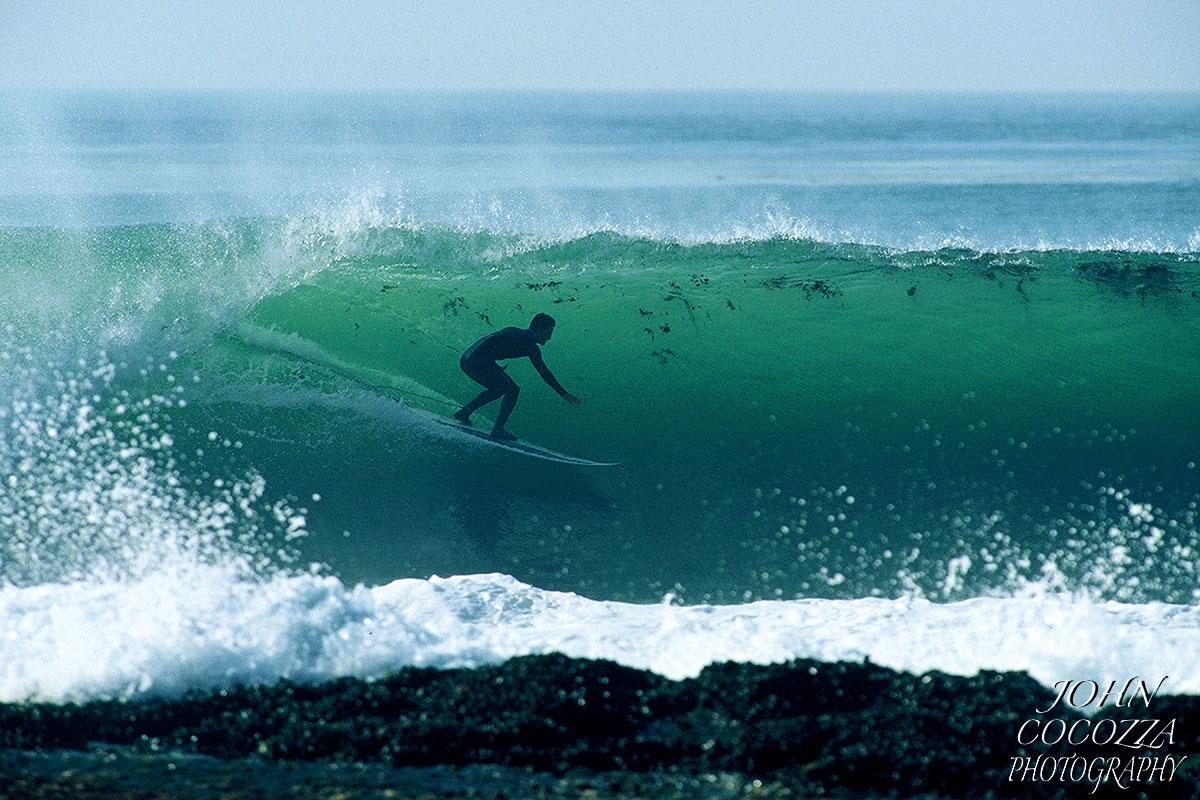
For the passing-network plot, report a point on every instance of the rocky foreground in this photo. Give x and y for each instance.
(549, 726)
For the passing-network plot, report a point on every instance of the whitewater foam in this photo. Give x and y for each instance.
(210, 629)
(93, 489)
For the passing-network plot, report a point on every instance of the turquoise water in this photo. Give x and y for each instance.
(843, 346)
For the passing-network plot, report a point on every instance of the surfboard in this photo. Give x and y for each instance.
(515, 445)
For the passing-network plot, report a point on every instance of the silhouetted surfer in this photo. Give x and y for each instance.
(479, 362)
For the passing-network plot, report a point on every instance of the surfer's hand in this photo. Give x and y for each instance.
(572, 399)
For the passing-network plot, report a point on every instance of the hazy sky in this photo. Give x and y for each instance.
(607, 44)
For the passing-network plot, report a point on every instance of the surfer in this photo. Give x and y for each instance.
(479, 362)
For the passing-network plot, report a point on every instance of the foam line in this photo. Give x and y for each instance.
(207, 630)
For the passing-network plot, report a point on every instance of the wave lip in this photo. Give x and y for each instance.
(164, 636)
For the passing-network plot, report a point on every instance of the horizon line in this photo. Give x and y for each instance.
(601, 90)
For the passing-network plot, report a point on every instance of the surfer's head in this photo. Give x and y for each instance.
(542, 327)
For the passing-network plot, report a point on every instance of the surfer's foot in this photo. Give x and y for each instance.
(463, 416)
(500, 433)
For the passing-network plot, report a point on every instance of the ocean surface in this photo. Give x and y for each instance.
(908, 377)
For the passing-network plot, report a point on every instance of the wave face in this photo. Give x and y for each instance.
(977, 412)
(793, 418)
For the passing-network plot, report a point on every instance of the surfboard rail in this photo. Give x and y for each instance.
(513, 445)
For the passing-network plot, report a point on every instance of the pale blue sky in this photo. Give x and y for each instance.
(615, 44)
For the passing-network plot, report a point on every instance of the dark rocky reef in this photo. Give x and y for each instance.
(815, 728)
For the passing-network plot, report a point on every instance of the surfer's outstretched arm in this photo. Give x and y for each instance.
(540, 365)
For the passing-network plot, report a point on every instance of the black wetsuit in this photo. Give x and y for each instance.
(479, 361)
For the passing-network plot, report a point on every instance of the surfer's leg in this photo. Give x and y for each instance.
(463, 415)
(506, 408)
(491, 377)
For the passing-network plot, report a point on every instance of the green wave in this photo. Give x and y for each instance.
(796, 418)
(751, 386)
